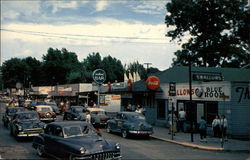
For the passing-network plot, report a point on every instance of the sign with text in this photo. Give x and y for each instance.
(207, 77)
(99, 76)
(172, 89)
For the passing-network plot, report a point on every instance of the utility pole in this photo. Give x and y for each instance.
(190, 97)
(147, 64)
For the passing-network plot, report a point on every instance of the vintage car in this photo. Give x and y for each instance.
(34, 103)
(26, 124)
(129, 123)
(74, 140)
(46, 113)
(9, 113)
(75, 113)
(98, 115)
(53, 105)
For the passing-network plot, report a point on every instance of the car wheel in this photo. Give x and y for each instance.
(40, 150)
(71, 157)
(108, 128)
(124, 134)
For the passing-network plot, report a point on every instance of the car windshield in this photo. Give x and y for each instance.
(81, 130)
(78, 109)
(98, 112)
(28, 116)
(44, 109)
(138, 116)
(14, 110)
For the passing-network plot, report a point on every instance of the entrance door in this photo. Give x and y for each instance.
(200, 111)
(161, 109)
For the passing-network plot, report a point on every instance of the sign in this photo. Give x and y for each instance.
(172, 89)
(207, 77)
(129, 85)
(153, 82)
(99, 76)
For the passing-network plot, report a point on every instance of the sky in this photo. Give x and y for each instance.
(128, 30)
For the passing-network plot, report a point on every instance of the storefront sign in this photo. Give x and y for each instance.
(153, 82)
(99, 76)
(207, 77)
(204, 91)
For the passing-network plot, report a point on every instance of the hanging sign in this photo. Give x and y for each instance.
(153, 82)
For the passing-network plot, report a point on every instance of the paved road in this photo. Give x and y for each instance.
(131, 148)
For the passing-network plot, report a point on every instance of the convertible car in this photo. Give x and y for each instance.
(9, 113)
(26, 124)
(75, 113)
(74, 140)
(129, 123)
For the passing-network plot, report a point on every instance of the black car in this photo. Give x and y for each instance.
(75, 113)
(26, 124)
(74, 140)
(9, 113)
(129, 123)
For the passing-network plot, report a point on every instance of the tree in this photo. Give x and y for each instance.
(136, 67)
(113, 68)
(33, 72)
(219, 31)
(58, 65)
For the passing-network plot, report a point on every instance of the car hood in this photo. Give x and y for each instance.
(92, 144)
(31, 124)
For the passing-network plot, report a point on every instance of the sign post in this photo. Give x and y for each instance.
(172, 92)
(99, 76)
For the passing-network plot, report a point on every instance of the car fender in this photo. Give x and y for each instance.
(38, 140)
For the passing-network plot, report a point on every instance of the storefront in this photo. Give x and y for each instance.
(215, 91)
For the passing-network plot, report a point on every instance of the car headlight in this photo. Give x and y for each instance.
(117, 146)
(82, 150)
(19, 127)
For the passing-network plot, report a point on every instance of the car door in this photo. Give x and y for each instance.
(119, 122)
(49, 145)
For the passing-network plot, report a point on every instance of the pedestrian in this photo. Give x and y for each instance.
(216, 126)
(88, 117)
(172, 122)
(139, 109)
(203, 129)
(223, 122)
(129, 109)
(182, 119)
(133, 108)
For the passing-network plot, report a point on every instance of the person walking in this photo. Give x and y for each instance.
(139, 109)
(203, 129)
(88, 117)
(223, 122)
(182, 119)
(216, 126)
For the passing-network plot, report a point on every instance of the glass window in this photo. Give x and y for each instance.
(161, 109)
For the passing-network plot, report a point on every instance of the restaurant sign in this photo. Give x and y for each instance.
(207, 77)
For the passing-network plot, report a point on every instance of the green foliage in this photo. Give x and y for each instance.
(136, 67)
(219, 31)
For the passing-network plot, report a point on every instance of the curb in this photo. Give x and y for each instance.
(191, 145)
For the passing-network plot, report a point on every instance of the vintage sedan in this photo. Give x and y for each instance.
(46, 113)
(98, 115)
(26, 124)
(9, 113)
(75, 113)
(129, 123)
(53, 105)
(74, 140)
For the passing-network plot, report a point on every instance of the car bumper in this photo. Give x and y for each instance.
(106, 156)
(140, 132)
(27, 134)
(47, 119)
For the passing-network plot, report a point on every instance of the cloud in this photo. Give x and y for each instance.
(101, 5)
(150, 7)
(58, 5)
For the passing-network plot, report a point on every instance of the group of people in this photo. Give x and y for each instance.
(176, 123)
(134, 108)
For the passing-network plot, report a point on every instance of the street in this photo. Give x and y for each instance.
(132, 148)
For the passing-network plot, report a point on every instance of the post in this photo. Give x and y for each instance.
(172, 121)
(190, 96)
(98, 100)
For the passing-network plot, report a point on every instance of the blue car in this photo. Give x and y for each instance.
(129, 123)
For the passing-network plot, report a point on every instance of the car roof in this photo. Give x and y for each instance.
(76, 106)
(130, 113)
(95, 109)
(9, 108)
(43, 106)
(68, 123)
(26, 112)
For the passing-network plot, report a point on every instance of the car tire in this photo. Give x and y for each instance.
(108, 129)
(124, 134)
(40, 150)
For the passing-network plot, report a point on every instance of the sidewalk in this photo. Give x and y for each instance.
(213, 144)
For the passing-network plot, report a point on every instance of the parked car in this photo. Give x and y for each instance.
(53, 105)
(75, 113)
(26, 124)
(129, 123)
(34, 103)
(9, 113)
(74, 140)
(46, 113)
(98, 115)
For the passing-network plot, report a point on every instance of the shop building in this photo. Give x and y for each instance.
(215, 91)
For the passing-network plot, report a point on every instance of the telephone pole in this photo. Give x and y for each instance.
(147, 64)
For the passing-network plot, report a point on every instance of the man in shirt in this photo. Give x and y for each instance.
(182, 119)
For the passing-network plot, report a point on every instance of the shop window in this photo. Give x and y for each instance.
(161, 109)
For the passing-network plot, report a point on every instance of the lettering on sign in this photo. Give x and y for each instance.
(244, 93)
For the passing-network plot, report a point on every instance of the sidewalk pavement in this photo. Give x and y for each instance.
(213, 144)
